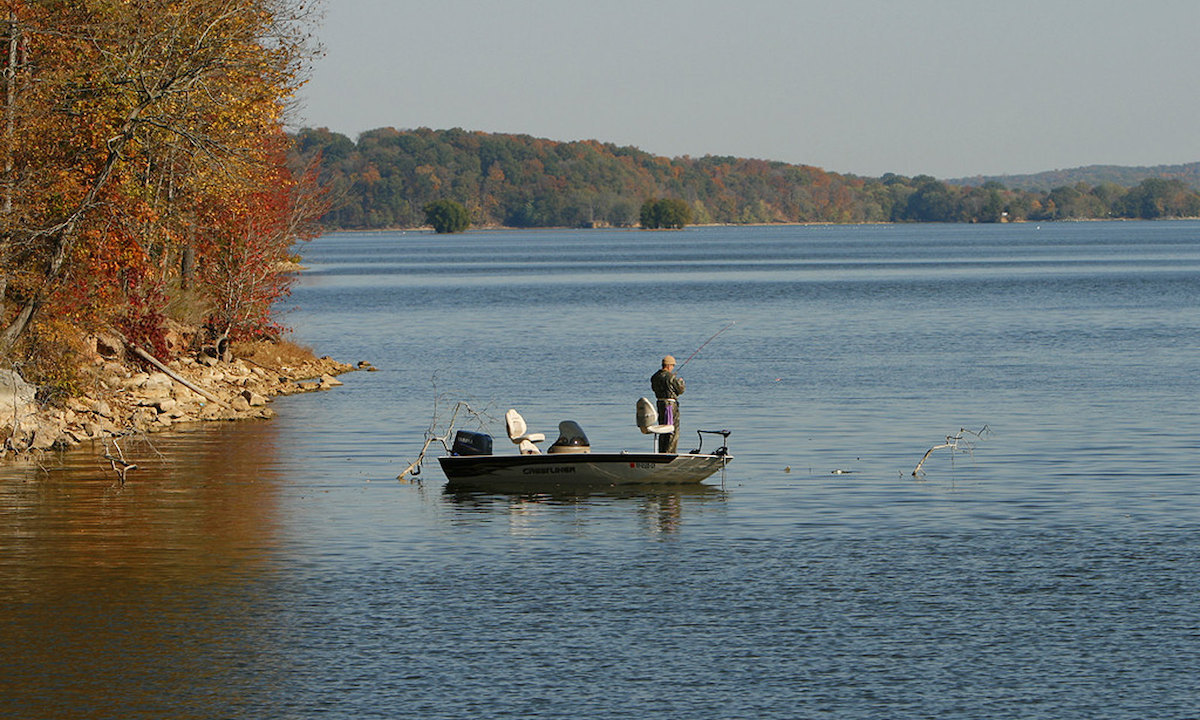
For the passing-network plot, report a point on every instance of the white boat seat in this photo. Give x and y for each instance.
(647, 419)
(519, 433)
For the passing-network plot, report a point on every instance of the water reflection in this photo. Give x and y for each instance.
(149, 597)
(660, 510)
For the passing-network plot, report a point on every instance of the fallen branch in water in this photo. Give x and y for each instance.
(432, 433)
(119, 464)
(954, 443)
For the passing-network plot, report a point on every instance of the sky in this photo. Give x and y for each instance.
(949, 88)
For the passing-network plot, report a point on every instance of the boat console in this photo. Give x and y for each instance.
(570, 439)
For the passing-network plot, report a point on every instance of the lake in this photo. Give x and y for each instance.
(1048, 567)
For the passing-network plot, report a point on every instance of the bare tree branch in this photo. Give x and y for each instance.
(954, 443)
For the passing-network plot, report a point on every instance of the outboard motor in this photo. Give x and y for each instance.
(471, 443)
(570, 439)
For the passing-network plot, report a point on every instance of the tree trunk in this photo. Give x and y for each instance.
(10, 110)
(14, 330)
(187, 265)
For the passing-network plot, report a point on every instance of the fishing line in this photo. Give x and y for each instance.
(714, 336)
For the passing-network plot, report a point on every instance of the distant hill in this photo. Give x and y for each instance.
(386, 177)
(1090, 175)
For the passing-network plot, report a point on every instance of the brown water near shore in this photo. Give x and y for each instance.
(85, 554)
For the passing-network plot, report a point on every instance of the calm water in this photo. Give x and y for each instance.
(279, 570)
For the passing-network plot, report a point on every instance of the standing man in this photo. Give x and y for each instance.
(667, 387)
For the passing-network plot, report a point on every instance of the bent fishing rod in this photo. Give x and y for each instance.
(710, 339)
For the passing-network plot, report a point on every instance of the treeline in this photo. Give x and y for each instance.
(144, 172)
(1091, 175)
(388, 176)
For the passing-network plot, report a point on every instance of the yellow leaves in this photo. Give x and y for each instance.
(137, 125)
(371, 175)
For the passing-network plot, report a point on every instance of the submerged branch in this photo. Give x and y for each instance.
(954, 443)
(443, 436)
(119, 464)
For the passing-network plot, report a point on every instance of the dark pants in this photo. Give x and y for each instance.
(668, 414)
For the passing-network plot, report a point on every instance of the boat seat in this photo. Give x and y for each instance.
(519, 433)
(570, 439)
(647, 419)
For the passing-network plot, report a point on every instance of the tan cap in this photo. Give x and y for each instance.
(668, 360)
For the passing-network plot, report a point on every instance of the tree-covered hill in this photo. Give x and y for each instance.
(1091, 175)
(388, 176)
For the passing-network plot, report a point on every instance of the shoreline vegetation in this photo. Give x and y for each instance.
(386, 177)
(149, 208)
(814, 223)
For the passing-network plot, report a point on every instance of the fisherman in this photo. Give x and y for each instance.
(667, 387)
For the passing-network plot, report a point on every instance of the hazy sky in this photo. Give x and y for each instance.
(943, 87)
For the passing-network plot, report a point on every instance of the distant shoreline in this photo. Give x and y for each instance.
(815, 223)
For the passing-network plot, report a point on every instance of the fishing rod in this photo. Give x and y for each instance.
(714, 336)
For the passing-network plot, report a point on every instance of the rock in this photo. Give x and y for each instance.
(109, 346)
(116, 370)
(14, 391)
(253, 398)
(124, 399)
(158, 385)
(45, 436)
(144, 417)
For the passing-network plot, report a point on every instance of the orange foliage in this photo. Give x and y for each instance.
(142, 132)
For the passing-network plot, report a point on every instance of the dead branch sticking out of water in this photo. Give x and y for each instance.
(444, 436)
(955, 443)
(119, 464)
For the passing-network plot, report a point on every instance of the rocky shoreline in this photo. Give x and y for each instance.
(131, 395)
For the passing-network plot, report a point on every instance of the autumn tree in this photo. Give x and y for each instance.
(137, 135)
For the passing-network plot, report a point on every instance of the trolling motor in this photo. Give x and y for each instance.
(721, 451)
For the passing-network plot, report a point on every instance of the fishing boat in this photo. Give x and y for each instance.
(570, 463)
